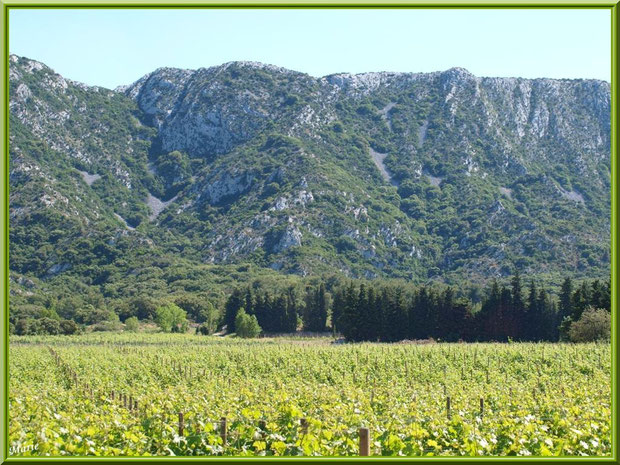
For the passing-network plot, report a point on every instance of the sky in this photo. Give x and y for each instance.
(115, 47)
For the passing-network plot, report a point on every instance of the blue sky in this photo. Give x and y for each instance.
(114, 47)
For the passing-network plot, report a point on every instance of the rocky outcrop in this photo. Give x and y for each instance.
(228, 185)
(291, 237)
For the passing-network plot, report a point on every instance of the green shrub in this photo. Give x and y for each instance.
(171, 318)
(108, 325)
(131, 324)
(46, 326)
(246, 325)
(594, 325)
(69, 327)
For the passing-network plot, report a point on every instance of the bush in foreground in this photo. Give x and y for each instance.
(246, 325)
(594, 325)
(131, 324)
(171, 319)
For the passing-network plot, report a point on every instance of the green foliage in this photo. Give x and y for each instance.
(69, 327)
(594, 325)
(555, 402)
(132, 324)
(246, 326)
(171, 318)
(175, 170)
(199, 309)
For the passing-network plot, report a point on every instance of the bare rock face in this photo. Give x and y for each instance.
(291, 237)
(227, 186)
(208, 112)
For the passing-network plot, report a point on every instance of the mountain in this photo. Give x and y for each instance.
(217, 174)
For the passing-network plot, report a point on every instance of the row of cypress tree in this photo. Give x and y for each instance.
(280, 312)
(364, 312)
(384, 311)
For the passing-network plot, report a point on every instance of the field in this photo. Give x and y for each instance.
(106, 394)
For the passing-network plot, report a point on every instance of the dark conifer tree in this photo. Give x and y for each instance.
(374, 315)
(566, 298)
(268, 312)
(308, 311)
(322, 309)
(249, 302)
(445, 329)
(291, 312)
(548, 321)
(280, 316)
(432, 314)
(606, 296)
(581, 300)
(233, 304)
(515, 314)
(315, 315)
(461, 320)
(533, 320)
(363, 315)
(260, 311)
(396, 318)
(413, 314)
(338, 304)
(597, 290)
(350, 317)
(419, 323)
(488, 319)
(507, 327)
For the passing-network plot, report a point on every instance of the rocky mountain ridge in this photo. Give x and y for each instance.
(437, 176)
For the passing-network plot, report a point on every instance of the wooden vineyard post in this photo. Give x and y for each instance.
(112, 395)
(124, 400)
(130, 402)
(223, 430)
(304, 426)
(181, 424)
(262, 424)
(364, 442)
(481, 407)
(448, 407)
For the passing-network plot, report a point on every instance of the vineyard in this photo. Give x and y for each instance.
(156, 394)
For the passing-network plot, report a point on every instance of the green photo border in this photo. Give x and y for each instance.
(7, 5)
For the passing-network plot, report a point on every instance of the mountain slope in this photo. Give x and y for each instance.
(442, 176)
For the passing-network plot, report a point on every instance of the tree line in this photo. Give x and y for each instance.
(378, 310)
(280, 312)
(388, 312)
